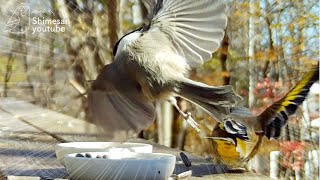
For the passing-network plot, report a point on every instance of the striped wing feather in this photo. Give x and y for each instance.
(195, 27)
(276, 116)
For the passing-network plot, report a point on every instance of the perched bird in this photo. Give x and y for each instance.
(269, 123)
(19, 21)
(151, 65)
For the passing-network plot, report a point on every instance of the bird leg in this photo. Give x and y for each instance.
(186, 116)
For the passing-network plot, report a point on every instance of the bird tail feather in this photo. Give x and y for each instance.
(216, 101)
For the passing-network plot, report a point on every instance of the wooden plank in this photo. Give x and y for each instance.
(242, 176)
(26, 151)
(71, 129)
(58, 125)
(29, 134)
(28, 178)
(23, 178)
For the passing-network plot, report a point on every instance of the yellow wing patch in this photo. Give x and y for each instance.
(276, 116)
(298, 90)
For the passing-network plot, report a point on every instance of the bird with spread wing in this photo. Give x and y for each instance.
(229, 138)
(151, 64)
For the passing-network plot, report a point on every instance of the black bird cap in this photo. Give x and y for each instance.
(145, 28)
(115, 48)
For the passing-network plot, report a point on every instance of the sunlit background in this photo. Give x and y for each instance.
(268, 47)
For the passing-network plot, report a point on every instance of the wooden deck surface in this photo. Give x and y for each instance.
(28, 135)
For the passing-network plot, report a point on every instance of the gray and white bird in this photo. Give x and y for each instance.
(151, 64)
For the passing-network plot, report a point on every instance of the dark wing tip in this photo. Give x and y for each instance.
(274, 129)
(288, 105)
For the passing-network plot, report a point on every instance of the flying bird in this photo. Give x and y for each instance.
(19, 21)
(151, 64)
(269, 123)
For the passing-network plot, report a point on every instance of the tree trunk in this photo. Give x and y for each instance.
(24, 52)
(164, 120)
(271, 43)
(223, 59)
(251, 55)
(113, 23)
(8, 72)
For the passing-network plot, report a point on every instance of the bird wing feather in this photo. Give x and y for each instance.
(277, 115)
(115, 112)
(195, 27)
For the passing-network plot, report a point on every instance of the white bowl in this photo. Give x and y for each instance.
(128, 165)
(63, 149)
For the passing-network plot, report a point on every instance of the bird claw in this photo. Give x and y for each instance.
(192, 122)
(186, 116)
